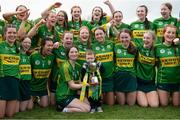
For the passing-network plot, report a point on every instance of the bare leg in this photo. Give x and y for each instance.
(44, 102)
(176, 98)
(163, 97)
(120, 97)
(109, 98)
(141, 99)
(131, 98)
(153, 99)
(3, 108)
(11, 108)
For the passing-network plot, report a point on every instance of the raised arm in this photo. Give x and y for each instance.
(33, 31)
(8, 16)
(53, 6)
(111, 7)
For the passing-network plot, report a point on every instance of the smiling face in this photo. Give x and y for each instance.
(99, 35)
(26, 44)
(118, 17)
(125, 39)
(165, 11)
(51, 19)
(73, 54)
(48, 47)
(148, 39)
(84, 34)
(10, 35)
(76, 13)
(141, 13)
(67, 40)
(169, 34)
(60, 17)
(21, 16)
(97, 13)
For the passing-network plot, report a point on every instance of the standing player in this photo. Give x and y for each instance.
(165, 19)
(141, 25)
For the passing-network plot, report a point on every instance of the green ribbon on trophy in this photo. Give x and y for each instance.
(95, 81)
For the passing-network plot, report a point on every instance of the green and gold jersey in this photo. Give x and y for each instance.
(102, 23)
(60, 58)
(41, 69)
(138, 29)
(82, 52)
(96, 24)
(167, 63)
(75, 27)
(124, 61)
(113, 34)
(145, 68)
(60, 55)
(25, 67)
(160, 23)
(9, 60)
(59, 31)
(2, 25)
(66, 74)
(104, 54)
(42, 33)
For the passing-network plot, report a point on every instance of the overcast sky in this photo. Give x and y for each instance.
(128, 7)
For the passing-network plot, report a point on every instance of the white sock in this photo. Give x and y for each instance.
(65, 110)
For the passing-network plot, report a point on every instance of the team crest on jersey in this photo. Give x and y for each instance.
(97, 48)
(160, 23)
(108, 46)
(172, 23)
(119, 51)
(162, 51)
(80, 46)
(62, 53)
(142, 27)
(37, 62)
(49, 62)
(136, 26)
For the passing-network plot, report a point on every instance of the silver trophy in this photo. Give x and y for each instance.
(93, 68)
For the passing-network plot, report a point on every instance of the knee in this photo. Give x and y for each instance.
(9, 115)
(164, 104)
(143, 104)
(2, 115)
(44, 105)
(154, 105)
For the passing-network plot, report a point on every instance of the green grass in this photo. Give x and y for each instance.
(110, 112)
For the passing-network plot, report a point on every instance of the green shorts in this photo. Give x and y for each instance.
(108, 84)
(125, 82)
(145, 85)
(39, 93)
(65, 102)
(169, 87)
(9, 88)
(24, 90)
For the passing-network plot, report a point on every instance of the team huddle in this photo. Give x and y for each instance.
(77, 65)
